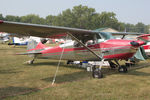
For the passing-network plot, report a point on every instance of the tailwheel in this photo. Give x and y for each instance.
(122, 69)
(30, 62)
(69, 62)
(97, 73)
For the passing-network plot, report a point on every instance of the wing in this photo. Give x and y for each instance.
(44, 31)
(38, 30)
(123, 34)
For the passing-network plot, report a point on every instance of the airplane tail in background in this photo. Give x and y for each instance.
(144, 37)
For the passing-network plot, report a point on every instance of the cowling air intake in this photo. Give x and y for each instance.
(137, 43)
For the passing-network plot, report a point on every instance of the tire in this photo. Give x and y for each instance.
(123, 69)
(30, 62)
(69, 62)
(96, 73)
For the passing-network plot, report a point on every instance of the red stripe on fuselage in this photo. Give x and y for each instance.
(119, 56)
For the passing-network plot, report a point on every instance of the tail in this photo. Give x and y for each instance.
(31, 44)
(35, 46)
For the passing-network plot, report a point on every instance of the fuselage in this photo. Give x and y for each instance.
(109, 49)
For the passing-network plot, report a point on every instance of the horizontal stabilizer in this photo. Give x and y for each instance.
(28, 53)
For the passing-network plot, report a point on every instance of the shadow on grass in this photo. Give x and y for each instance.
(69, 77)
(45, 63)
(132, 71)
(10, 71)
(3, 49)
(13, 91)
(62, 64)
(84, 74)
(138, 73)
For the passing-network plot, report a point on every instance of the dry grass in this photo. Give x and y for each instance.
(19, 81)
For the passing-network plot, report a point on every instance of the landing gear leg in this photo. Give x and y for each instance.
(121, 68)
(112, 65)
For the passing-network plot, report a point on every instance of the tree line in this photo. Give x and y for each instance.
(81, 17)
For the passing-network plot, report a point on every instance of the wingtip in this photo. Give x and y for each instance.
(1, 21)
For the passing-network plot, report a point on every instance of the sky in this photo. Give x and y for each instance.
(128, 11)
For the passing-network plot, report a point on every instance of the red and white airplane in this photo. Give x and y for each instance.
(87, 45)
(146, 38)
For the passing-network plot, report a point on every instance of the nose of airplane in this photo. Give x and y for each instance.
(137, 43)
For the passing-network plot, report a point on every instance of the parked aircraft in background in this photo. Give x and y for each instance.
(146, 38)
(138, 36)
(23, 40)
(4, 37)
(87, 45)
(19, 41)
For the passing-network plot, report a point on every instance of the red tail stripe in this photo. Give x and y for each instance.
(39, 46)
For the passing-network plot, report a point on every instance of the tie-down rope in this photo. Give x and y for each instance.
(59, 62)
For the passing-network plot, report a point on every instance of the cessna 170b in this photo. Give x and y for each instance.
(87, 45)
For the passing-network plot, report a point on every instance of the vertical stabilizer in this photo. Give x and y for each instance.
(35, 46)
(31, 44)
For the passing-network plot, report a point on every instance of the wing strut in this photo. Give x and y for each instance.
(84, 46)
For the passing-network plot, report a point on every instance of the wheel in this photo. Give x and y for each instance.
(128, 64)
(30, 62)
(123, 69)
(69, 62)
(97, 73)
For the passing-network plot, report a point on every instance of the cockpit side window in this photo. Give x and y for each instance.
(88, 39)
(100, 38)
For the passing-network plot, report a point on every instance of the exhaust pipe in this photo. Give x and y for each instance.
(137, 43)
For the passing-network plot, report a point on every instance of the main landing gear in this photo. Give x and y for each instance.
(97, 72)
(121, 68)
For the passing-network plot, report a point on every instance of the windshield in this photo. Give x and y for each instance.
(106, 35)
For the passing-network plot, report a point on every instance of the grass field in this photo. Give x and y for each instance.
(20, 81)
